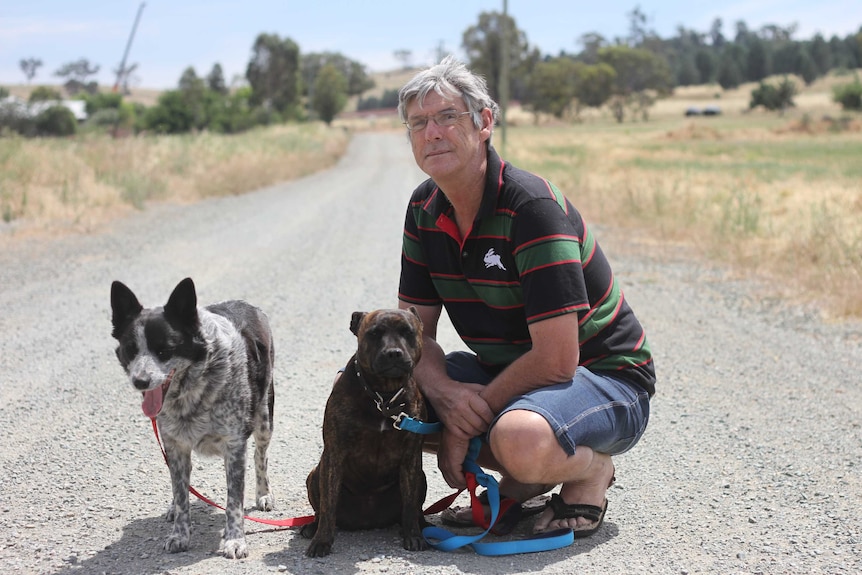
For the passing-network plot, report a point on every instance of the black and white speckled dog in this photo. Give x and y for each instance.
(206, 374)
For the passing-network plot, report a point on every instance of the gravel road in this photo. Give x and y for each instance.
(751, 462)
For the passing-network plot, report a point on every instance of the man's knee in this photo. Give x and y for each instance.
(523, 442)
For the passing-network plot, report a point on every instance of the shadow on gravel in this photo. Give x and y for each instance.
(139, 550)
(358, 551)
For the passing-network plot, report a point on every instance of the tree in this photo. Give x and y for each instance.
(189, 81)
(76, 74)
(330, 93)
(706, 65)
(729, 71)
(594, 85)
(273, 73)
(820, 54)
(716, 37)
(215, 80)
(405, 57)
(687, 73)
(29, 66)
(841, 58)
(591, 42)
(483, 45)
(552, 86)
(194, 94)
(358, 80)
(854, 49)
(636, 71)
(758, 65)
(638, 31)
(806, 67)
(786, 58)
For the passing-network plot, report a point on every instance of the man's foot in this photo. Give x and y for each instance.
(579, 512)
(580, 506)
(513, 513)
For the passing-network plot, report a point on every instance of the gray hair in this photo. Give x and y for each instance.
(449, 78)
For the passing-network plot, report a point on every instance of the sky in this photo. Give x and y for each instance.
(173, 35)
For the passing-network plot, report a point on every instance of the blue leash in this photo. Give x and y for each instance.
(444, 540)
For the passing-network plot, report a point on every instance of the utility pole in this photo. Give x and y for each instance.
(122, 69)
(503, 88)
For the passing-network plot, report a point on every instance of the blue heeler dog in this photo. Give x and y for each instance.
(206, 375)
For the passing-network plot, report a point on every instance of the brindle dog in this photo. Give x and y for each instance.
(370, 474)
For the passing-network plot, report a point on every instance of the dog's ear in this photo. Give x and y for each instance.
(412, 309)
(183, 303)
(124, 308)
(355, 320)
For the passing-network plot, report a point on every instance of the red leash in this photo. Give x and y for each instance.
(442, 504)
(290, 522)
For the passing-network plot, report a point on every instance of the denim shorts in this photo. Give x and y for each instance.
(595, 409)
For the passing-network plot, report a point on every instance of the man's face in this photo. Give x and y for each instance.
(444, 152)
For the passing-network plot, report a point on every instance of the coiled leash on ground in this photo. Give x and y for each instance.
(444, 540)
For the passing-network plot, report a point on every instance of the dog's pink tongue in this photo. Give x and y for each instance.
(152, 403)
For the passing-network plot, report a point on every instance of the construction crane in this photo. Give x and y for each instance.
(122, 69)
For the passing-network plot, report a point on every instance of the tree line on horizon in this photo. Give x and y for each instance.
(625, 74)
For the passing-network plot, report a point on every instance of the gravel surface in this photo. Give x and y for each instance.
(751, 462)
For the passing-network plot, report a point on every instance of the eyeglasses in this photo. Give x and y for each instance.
(442, 119)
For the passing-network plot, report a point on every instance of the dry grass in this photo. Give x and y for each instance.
(779, 197)
(53, 185)
(776, 196)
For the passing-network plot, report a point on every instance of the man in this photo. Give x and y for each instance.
(561, 374)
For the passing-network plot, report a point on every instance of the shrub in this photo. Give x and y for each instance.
(171, 115)
(56, 121)
(102, 101)
(104, 117)
(849, 95)
(774, 97)
(44, 93)
(15, 118)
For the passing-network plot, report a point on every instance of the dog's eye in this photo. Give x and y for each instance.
(165, 354)
(374, 332)
(127, 351)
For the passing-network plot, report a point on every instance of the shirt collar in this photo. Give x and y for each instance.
(438, 203)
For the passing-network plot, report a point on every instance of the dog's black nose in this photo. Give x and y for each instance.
(394, 353)
(141, 384)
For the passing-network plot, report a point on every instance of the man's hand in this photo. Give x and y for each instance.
(450, 458)
(462, 410)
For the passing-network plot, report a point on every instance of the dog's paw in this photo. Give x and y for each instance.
(234, 548)
(308, 530)
(176, 543)
(266, 502)
(415, 543)
(319, 549)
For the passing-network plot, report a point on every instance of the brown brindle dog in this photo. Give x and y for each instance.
(370, 474)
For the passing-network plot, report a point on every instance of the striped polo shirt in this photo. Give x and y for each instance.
(528, 257)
